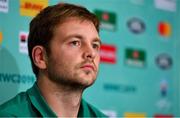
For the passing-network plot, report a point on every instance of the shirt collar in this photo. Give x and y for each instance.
(84, 110)
(39, 102)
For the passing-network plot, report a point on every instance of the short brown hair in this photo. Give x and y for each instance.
(42, 26)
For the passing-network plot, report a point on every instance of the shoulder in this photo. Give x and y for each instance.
(96, 112)
(14, 105)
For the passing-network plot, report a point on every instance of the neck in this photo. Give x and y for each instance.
(60, 98)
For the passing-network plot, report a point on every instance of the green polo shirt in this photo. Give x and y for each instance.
(31, 103)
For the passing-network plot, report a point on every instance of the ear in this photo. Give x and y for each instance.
(39, 57)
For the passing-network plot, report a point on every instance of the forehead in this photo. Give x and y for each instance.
(72, 26)
(74, 21)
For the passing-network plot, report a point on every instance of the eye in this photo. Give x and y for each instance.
(75, 43)
(96, 46)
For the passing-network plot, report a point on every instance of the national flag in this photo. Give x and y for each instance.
(108, 54)
(135, 57)
(32, 7)
(164, 29)
(107, 19)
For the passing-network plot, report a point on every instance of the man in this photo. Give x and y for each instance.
(63, 46)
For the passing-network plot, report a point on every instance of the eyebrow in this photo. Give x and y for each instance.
(81, 37)
(98, 40)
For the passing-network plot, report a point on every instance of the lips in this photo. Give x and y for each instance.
(88, 66)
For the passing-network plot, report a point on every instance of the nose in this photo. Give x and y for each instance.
(89, 53)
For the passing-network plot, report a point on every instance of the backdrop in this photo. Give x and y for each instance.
(139, 70)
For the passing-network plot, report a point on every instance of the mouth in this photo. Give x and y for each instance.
(88, 67)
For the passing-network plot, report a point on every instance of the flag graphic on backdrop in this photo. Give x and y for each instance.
(32, 7)
(135, 57)
(108, 54)
(164, 29)
(107, 19)
(23, 39)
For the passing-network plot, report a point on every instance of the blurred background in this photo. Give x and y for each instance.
(139, 71)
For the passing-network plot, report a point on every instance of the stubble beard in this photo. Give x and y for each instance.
(67, 78)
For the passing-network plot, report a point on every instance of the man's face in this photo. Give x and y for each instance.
(74, 53)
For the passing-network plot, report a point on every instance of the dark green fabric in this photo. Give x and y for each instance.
(32, 104)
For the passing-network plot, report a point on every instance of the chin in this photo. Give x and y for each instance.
(85, 79)
(87, 82)
(86, 85)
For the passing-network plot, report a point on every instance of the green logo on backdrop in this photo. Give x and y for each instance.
(135, 57)
(107, 19)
